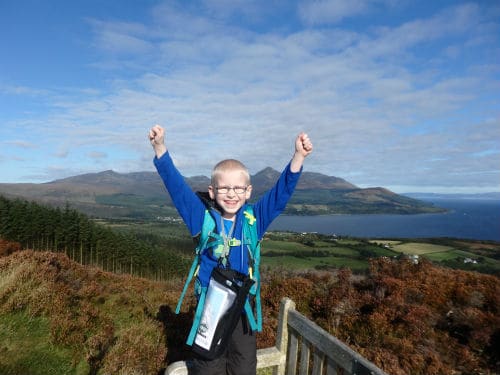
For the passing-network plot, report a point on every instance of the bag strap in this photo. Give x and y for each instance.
(253, 244)
(197, 317)
(207, 232)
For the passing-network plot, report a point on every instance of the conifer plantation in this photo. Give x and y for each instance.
(79, 298)
(44, 228)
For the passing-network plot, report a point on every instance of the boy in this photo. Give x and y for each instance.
(229, 191)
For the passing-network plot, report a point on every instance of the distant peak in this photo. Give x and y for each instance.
(267, 171)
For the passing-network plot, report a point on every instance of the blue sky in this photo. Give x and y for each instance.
(399, 94)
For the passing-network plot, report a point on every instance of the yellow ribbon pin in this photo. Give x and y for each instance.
(251, 219)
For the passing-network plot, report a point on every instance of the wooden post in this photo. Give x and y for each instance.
(282, 334)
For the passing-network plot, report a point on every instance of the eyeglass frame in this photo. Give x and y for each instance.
(229, 188)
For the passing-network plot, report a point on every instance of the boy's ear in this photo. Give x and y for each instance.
(211, 192)
(248, 193)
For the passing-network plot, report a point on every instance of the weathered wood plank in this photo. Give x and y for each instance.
(282, 334)
(304, 357)
(318, 359)
(269, 357)
(293, 351)
(331, 367)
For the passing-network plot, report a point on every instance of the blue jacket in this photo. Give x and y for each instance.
(191, 208)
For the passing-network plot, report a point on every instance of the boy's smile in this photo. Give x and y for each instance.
(231, 191)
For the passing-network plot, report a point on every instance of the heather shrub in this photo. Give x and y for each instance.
(8, 247)
(406, 318)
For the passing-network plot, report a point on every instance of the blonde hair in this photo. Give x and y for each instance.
(229, 165)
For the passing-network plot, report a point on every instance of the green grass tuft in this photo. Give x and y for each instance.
(26, 348)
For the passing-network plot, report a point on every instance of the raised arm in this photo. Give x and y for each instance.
(274, 201)
(157, 139)
(188, 204)
(303, 147)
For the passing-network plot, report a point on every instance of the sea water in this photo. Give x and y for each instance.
(477, 219)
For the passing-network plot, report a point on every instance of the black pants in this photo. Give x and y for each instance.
(240, 357)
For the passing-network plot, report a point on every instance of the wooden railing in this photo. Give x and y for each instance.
(302, 345)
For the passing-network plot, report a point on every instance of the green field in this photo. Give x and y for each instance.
(305, 263)
(313, 251)
(417, 248)
(308, 251)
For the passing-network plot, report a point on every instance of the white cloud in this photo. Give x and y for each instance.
(21, 144)
(97, 155)
(330, 11)
(120, 37)
(22, 90)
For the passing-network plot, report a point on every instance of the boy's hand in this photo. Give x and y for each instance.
(156, 135)
(303, 145)
(157, 139)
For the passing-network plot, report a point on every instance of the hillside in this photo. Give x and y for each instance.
(141, 195)
(57, 316)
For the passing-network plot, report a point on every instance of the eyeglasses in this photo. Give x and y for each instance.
(226, 189)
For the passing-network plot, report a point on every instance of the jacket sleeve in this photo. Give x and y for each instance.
(274, 201)
(187, 203)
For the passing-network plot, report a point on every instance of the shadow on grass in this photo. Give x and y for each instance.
(176, 329)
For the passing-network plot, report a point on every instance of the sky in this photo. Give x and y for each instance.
(399, 94)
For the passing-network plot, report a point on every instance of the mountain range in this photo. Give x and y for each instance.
(142, 195)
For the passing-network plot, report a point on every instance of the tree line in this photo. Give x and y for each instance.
(43, 228)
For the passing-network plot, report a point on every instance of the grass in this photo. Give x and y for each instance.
(265, 371)
(418, 248)
(282, 246)
(348, 241)
(314, 251)
(58, 317)
(438, 256)
(26, 348)
(305, 263)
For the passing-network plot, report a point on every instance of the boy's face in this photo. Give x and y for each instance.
(231, 191)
